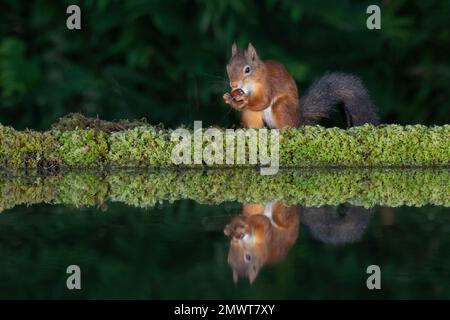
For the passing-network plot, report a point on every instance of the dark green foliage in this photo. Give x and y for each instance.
(165, 60)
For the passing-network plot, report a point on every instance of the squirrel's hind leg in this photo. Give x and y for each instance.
(286, 113)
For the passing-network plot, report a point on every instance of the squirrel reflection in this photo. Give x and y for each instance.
(264, 233)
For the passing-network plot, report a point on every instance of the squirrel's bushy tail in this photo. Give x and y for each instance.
(338, 89)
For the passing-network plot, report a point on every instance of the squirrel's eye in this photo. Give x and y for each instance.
(248, 257)
(247, 70)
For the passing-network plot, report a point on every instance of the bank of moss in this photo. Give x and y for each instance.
(310, 188)
(76, 141)
(75, 121)
(27, 149)
(82, 148)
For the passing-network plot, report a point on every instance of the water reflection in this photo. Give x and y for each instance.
(159, 252)
(155, 216)
(337, 225)
(262, 234)
(265, 233)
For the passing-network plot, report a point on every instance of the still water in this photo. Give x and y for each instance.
(226, 249)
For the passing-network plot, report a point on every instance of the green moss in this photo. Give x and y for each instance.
(142, 146)
(26, 148)
(25, 190)
(385, 145)
(82, 148)
(96, 143)
(76, 121)
(318, 146)
(81, 189)
(310, 188)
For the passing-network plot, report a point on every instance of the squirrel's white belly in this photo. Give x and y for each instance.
(268, 117)
(268, 211)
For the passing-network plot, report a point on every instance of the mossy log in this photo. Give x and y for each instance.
(82, 142)
(310, 188)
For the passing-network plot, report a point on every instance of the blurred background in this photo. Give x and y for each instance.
(165, 60)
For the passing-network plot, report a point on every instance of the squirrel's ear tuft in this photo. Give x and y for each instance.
(233, 49)
(251, 52)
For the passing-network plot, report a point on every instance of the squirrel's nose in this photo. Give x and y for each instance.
(233, 85)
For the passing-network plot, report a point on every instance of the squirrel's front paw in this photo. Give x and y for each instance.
(236, 102)
(227, 98)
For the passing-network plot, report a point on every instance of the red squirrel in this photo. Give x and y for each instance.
(262, 234)
(267, 95)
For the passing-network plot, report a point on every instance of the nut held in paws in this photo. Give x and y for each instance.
(236, 93)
